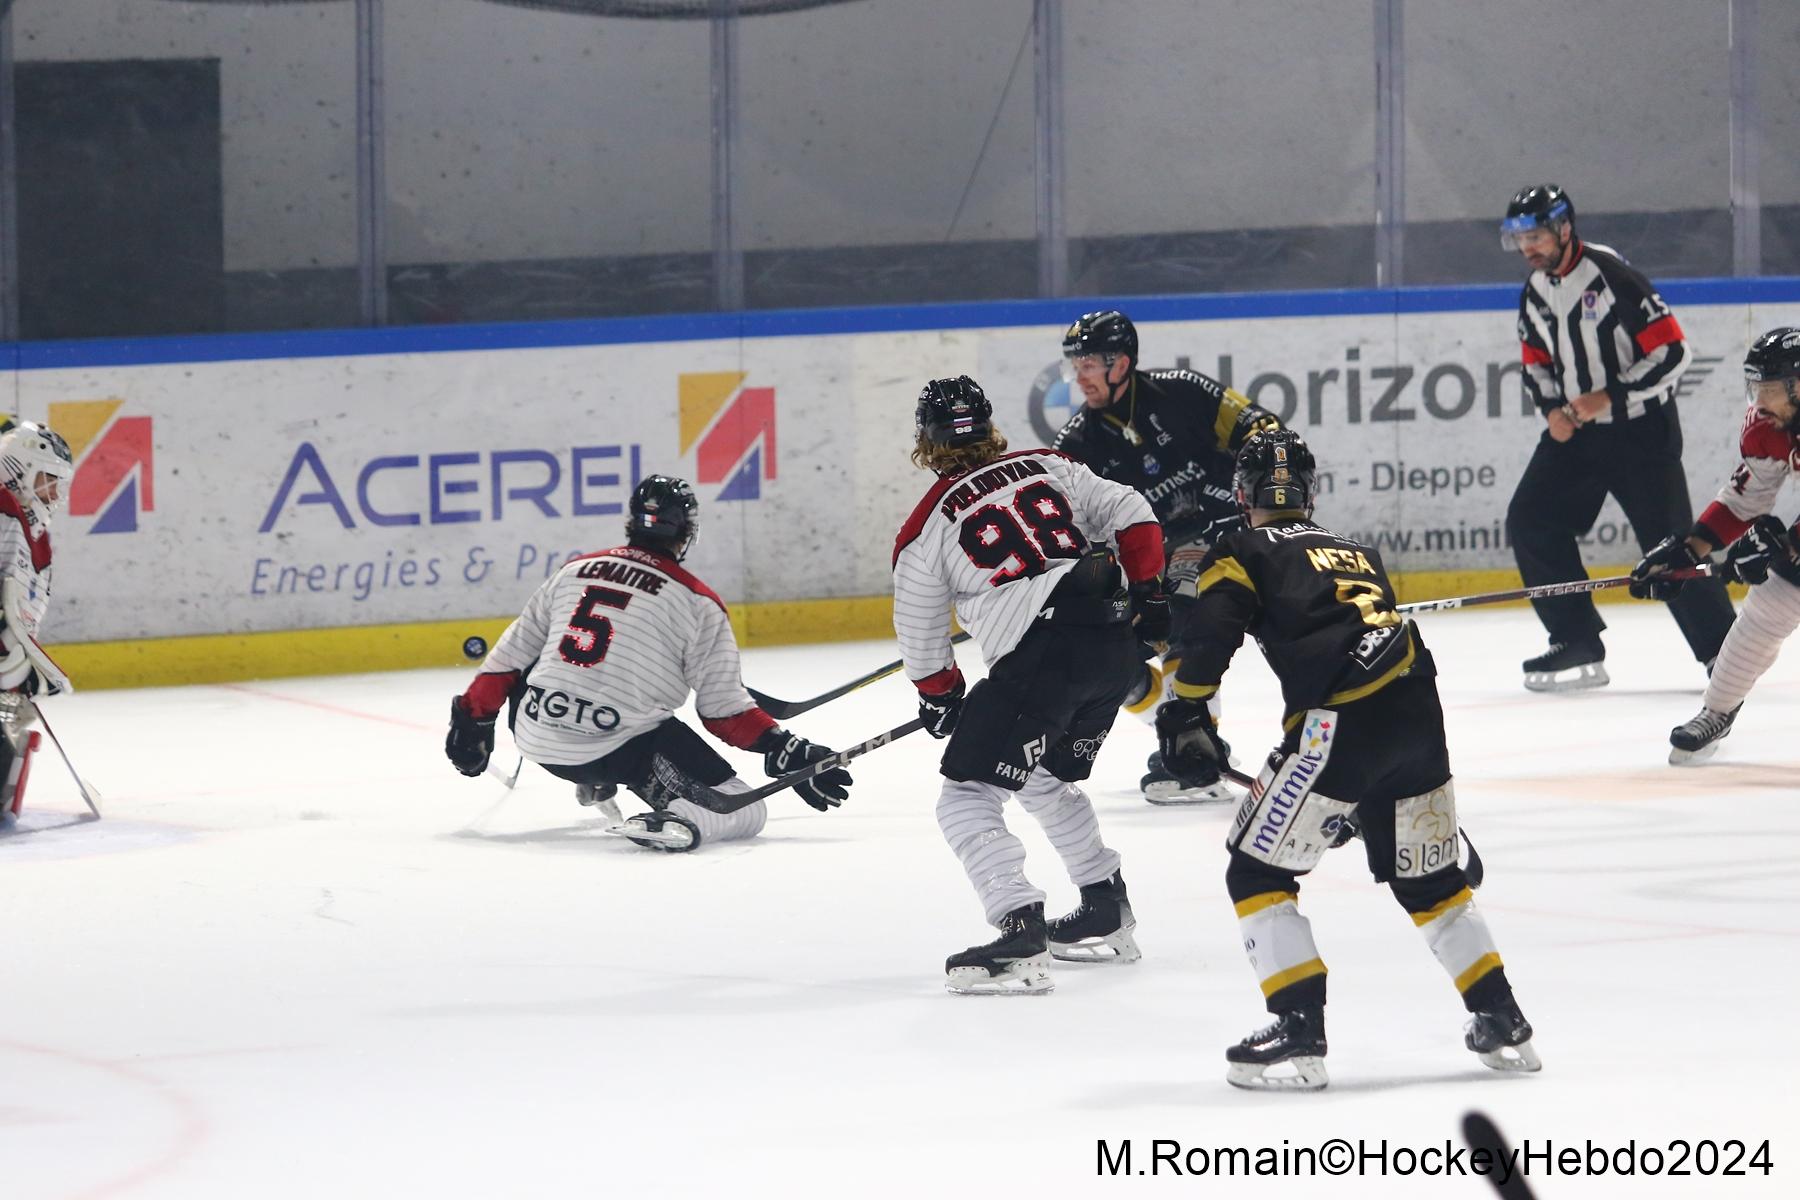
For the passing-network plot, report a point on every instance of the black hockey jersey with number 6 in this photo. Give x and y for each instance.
(1320, 606)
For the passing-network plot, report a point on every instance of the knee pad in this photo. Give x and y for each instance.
(1283, 822)
(1146, 693)
(1425, 833)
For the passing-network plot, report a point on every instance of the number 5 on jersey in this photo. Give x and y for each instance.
(590, 633)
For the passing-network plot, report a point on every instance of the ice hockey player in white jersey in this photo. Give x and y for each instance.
(35, 466)
(595, 667)
(1018, 543)
(1765, 552)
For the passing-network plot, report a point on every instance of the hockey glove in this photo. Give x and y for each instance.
(1189, 740)
(939, 710)
(471, 740)
(1671, 554)
(1766, 546)
(784, 753)
(1150, 612)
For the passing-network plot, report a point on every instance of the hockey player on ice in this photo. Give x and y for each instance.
(1764, 553)
(595, 667)
(1365, 743)
(1017, 542)
(1171, 434)
(35, 466)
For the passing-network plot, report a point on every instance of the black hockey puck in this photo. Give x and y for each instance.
(475, 647)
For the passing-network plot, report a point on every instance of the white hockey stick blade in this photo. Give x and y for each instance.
(506, 781)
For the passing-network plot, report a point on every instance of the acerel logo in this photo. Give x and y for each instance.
(114, 463)
(734, 429)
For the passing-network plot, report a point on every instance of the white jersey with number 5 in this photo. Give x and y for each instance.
(996, 540)
(610, 647)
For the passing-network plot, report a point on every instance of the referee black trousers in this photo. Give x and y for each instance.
(1559, 497)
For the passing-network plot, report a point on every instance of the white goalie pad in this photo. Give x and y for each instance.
(1425, 832)
(1283, 822)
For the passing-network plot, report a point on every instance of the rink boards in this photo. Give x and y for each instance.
(285, 504)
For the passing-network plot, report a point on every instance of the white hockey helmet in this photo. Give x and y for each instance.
(29, 450)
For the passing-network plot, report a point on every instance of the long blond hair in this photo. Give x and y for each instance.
(954, 460)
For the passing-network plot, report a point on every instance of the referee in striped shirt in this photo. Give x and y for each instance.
(1602, 356)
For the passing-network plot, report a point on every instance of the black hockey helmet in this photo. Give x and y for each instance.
(953, 412)
(665, 516)
(1108, 332)
(1276, 471)
(1775, 358)
(1542, 206)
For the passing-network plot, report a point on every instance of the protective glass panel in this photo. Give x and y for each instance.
(886, 153)
(1628, 112)
(1201, 156)
(1776, 103)
(184, 168)
(544, 164)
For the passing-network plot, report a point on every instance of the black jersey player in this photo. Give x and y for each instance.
(1364, 742)
(1171, 434)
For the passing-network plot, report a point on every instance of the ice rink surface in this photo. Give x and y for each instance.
(302, 957)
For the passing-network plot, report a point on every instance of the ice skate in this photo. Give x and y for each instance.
(1099, 930)
(600, 796)
(1501, 1038)
(1695, 741)
(1297, 1038)
(1017, 963)
(1162, 786)
(1568, 667)
(659, 831)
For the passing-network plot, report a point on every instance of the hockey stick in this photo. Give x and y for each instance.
(1474, 871)
(81, 785)
(729, 802)
(1482, 1134)
(506, 781)
(781, 710)
(1545, 590)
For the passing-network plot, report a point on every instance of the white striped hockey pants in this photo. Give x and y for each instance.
(970, 814)
(1771, 611)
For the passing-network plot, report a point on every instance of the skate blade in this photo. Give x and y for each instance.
(1022, 977)
(1569, 679)
(672, 840)
(1512, 1058)
(1119, 947)
(1172, 794)
(1309, 1075)
(1693, 758)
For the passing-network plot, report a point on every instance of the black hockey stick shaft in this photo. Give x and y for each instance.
(80, 783)
(1481, 1133)
(730, 802)
(781, 710)
(1474, 870)
(1545, 590)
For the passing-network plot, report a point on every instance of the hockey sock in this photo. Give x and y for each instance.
(1770, 613)
(969, 813)
(1280, 944)
(1067, 816)
(1460, 941)
(724, 827)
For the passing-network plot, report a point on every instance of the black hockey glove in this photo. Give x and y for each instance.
(1150, 612)
(471, 741)
(1189, 740)
(784, 753)
(1670, 554)
(939, 712)
(1766, 546)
